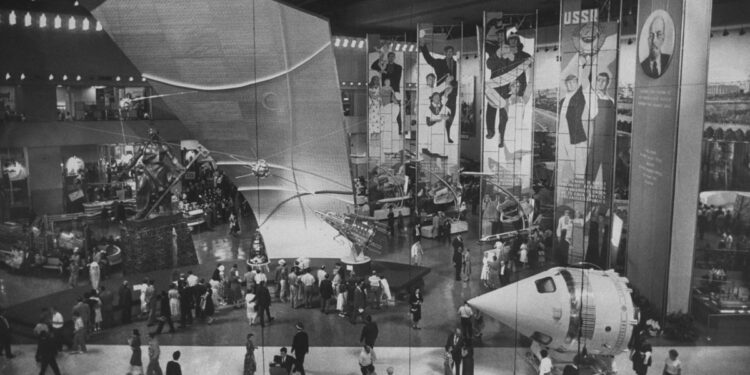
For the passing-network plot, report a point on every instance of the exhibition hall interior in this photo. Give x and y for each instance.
(374, 186)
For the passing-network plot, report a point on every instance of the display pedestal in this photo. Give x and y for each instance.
(360, 266)
(158, 243)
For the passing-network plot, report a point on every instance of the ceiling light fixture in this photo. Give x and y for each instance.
(23, 76)
(12, 18)
(98, 26)
(85, 24)
(337, 42)
(78, 77)
(51, 77)
(43, 21)
(346, 42)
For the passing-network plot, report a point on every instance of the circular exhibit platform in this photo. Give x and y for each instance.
(360, 265)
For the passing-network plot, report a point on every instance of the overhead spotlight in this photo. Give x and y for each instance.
(85, 24)
(143, 79)
(27, 19)
(43, 21)
(12, 17)
(65, 77)
(98, 26)
(75, 3)
(51, 77)
(7, 76)
(71, 23)
(346, 42)
(23, 76)
(398, 47)
(58, 22)
(361, 44)
(337, 42)
(117, 78)
(130, 79)
(742, 31)
(78, 77)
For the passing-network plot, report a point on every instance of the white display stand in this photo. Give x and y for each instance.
(382, 214)
(459, 226)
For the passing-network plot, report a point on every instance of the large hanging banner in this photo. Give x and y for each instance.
(585, 135)
(507, 147)
(385, 126)
(438, 121)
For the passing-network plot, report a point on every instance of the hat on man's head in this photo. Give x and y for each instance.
(300, 325)
(282, 262)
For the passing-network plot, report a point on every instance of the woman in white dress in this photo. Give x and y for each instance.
(174, 300)
(485, 274)
(250, 307)
(95, 275)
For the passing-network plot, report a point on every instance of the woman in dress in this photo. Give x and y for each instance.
(95, 274)
(136, 364)
(250, 307)
(485, 274)
(207, 305)
(250, 366)
(375, 122)
(174, 301)
(466, 265)
(415, 307)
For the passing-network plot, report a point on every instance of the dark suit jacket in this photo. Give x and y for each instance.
(439, 65)
(576, 107)
(455, 350)
(173, 368)
(126, 296)
(107, 298)
(286, 363)
(47, 350)
(263, 297)
(369, 333)
(570, 370)
(664, 62)
(326, 289)
(300, 343)
(359, 298)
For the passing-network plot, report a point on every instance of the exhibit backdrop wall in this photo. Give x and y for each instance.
(585, 135)
(507, 119)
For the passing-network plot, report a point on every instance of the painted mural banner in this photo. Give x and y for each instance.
(585, 138)
(438, 124)
(507, 142)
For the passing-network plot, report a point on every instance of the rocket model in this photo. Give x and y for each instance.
(361, 231)
(562, 307)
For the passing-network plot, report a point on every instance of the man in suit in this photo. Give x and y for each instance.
(46, 353)
(125, 302)
(263, 299)
(445, 70)
(326, 292)
(656, 62)
(453, 346)
(5, 335)
(107, 299)
(84, 311)
(284, 361)
(360, 302)
(173, 368)
(458, 261)
(369, 332)
(300, 347)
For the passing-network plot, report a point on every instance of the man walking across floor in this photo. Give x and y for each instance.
(465, 313)
(125, 302)
(165, 314)
(326, 293)
(369, 332)
(300, 347)
(453, 347)
(263, 299)
(173, 367)
(45, 354)
(5, 335)
(153, 356)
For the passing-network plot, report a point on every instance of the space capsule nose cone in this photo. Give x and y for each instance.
(501, 304)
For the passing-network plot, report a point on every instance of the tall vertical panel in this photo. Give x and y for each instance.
(438, 118)
(385, 123)
(654, 140)
(507, 147)
(585, 135)
(251, 80)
